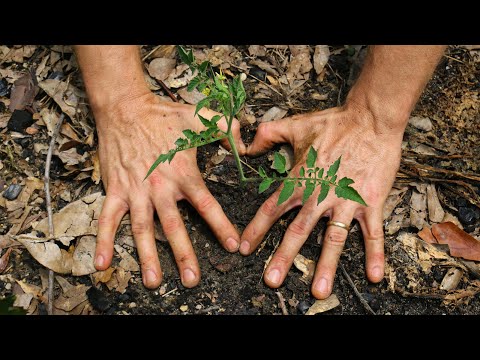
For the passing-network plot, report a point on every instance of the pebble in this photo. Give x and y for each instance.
(468, 215)
(258, 73)
(8, 286)
(132, 305)
(98, 299)
(184, 308)
(20, 120)
(421, 123)
(12, 192)
(31, 130)
(303, 306)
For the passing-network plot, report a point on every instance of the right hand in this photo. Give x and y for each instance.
(131, 137)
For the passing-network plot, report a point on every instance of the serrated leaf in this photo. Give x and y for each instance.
(309, 187)
(193, 83)
(264, 185)
(215, 119)
(287, 191)
(279, 162)
(202, 103)
(186, 57)
(323, 193)
(344, 182)
(311, 157)
(181, 142)
(262, 172)
(301, 173)
(239, 95)
(349, 193)
(161, 158)
(320, 173)
(203, 66)
(205, 121)
(333, 179)
(334, 168)
(189, 134)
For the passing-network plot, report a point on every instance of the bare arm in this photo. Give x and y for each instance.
(367, 132)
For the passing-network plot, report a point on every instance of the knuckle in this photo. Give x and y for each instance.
(141, 227)
(148, 261)
(375, 235)
(184, 258)
(170, 224)
(282, 259)
(205, 203)
(298, 228)
(156, 180)
(336, 238)
(104, 220)
(269, 207)
(262, 130)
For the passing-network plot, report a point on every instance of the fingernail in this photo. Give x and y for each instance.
(99, 261)
(322, 285)
(232, 244)
(273, 276)
(244, 247)
(188, 276)
(150, 277)
(377, 272)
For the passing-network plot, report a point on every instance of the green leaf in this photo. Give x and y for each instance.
(334, 168)
(302, 172)
(262, 172)
(279, 162)
(215, 119)
(311, 157)
(344, 182)
(186, 57)
(203, 66)
(264, 185)
(239, 95)
(181, 142)
(320, 173)
(287, 191)
(323, 193)
(309, 187)
(193, 83)
(205, 121)
(162, 158)
(349, 193)
(333, 178)
(7, 308)
(203, 103)
(189, 134)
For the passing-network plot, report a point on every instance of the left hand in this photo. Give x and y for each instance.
(370, 156)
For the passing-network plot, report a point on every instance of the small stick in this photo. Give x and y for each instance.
(282, 303)
(151, 52)
(169, 292)
(167, 90)
(46, 180)
(360, 297)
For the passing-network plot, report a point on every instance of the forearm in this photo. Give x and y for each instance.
(392, 80)
(112, 74)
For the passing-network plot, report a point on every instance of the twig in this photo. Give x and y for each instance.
(169, 292)
(360, 297)
(282, 303)
(206, 310)
(452, 58)
(151, 52)
(46, 179)
(167, 90)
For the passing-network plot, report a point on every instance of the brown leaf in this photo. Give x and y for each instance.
(35, 291)
(320, 306)
(4, 260)
(300, 62)
(256, 50)
(274, 113)
(128, 262)
(320, 58)
(191, 97)
(65, 95)
(23, 92)
(435, 210)
(72, 298)
(161, 68)
(460, 243)
(122, 278)
(418, 207)
(165, 51)
(394, 198)
(426, 235)
(103, 276)
(306, 266)
(83, 256)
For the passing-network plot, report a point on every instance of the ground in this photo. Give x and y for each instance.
(447, 156)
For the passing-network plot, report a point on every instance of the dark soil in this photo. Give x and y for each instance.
(233, 284)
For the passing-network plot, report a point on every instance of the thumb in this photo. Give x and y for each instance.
(269, 134)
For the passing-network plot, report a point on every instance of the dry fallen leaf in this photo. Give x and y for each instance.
(191, 97)
(320, 58)
(274, 113)
(435, 210)
(23, 92)
(256, 50)
(76, 219)
(128, 262)
(72, 298)
(83, 256)
(426, 235)
(23, 300)
(299, 64)
(102, 276)
(320, 306)
(460, 243)
(4, 260)
(394, 198)
(306, 266)
(418, 207)
(34, 290)
(65, 95)
(161, 68)
(122, 278)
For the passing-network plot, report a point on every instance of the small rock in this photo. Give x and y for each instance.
(31, 130)
(303, 306)
(468, 215)
(20, 120)
(421, 123)
(8, 286)
(98, 299)
(258, 73)
(12, 192)
(132, 305)
(183, 308)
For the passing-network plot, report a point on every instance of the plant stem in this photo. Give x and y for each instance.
(231, 141)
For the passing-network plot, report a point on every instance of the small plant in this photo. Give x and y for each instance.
(228, 97)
